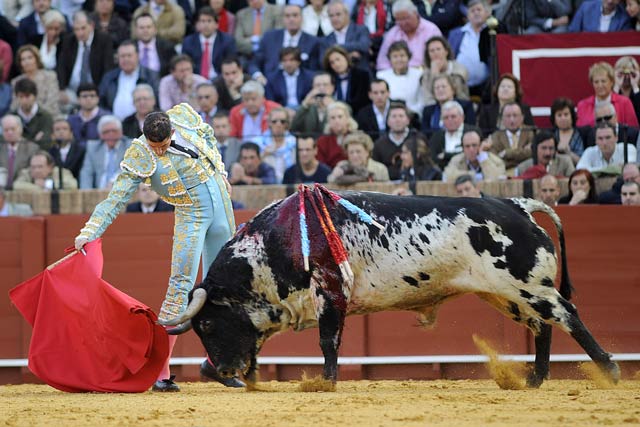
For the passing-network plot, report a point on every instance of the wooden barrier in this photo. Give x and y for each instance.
(602, 254)
(255, 197)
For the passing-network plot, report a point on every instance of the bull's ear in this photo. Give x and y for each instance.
(206, 325)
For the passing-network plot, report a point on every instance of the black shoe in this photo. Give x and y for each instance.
(207, 371)
(166, 385)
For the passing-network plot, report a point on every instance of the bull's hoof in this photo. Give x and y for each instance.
(614, 372)
(209, 372)
(166, 385)
(534, 381)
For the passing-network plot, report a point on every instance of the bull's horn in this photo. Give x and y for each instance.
(198, 299)
(180, 329)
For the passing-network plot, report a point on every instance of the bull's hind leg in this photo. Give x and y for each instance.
(330, 304)
(551, 308)
(572, 324)
(540, 330)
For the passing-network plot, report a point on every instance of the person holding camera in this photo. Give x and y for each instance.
(43, 175)
(312, 114)
(627, 76)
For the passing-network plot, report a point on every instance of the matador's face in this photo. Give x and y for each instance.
(160, 147)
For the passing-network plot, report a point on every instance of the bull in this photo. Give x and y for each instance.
(432, 249)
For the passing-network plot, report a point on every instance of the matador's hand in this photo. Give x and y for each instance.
(80, 242)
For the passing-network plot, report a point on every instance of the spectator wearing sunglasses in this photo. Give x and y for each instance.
(277, 144)
(606, 113)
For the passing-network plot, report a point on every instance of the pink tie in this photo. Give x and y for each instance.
(206, 61)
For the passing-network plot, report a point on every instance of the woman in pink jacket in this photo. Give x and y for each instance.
(602, 78)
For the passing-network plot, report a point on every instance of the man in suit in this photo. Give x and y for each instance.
(228, 146)
(155, 52)
(84, 123)
(169, 19)
(229, 83)
(207, 97)
(37, 123)
(116, 88)
(252, 22)
(513, 142)
(388, 147)
(267, 58)
(447, 142)
(372, 119)
(289, 84)
(148, 202)
(65, 150)
(208, 46)
(101, 163)
(607, 113)
(354, 38)
(593, 14)
(144, 100)
(86, 54)
(15, 151)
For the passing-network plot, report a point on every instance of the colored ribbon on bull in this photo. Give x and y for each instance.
(304, 235)
(362, 215)
(335, 242)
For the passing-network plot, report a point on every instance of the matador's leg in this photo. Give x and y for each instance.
(191, 225)
(222, 226)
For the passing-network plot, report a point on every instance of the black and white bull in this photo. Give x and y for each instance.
(432, 250)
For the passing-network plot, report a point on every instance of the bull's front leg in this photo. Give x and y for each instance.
(251, 376)
(331, 322)
(330, 305)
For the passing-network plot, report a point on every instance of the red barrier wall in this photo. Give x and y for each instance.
(602, 253)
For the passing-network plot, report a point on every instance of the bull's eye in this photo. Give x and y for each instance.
(206, 325)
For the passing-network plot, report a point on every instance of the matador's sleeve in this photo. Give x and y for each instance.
(138, 164)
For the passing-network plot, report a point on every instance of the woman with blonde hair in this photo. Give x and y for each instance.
(602, 78)
(29, 63)
(339, 125)
(359, 166)
(54, 25)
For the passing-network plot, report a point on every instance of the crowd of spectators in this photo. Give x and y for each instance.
(329, 91)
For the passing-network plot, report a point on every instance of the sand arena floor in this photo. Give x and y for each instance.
(355, 403)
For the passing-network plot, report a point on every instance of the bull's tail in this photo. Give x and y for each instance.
(531, 206)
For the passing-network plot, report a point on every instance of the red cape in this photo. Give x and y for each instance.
(87, 335)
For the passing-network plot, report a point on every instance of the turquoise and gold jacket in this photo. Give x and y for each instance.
(170, 175)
